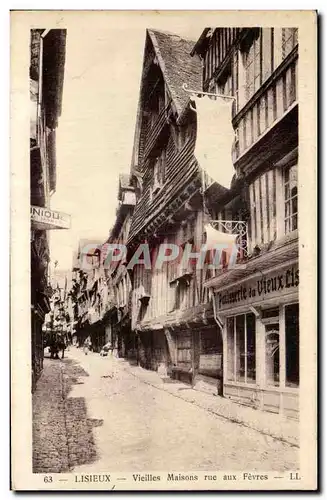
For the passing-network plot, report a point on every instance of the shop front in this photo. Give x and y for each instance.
(183, 358)
(259, 316)
(197, 355)
(152, 350)
(208, 359)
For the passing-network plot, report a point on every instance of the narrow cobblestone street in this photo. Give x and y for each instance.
(93, 414)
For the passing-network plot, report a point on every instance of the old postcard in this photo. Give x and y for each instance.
(163, 276)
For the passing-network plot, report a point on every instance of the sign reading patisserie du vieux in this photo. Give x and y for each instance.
(45, 218)
(274, 284)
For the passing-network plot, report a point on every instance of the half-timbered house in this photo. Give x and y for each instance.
(118, 318)
(257, 305)
(86, 294)
(47, 62)
(171, 311)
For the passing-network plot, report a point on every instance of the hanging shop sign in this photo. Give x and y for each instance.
(275, 284)
(44, 218)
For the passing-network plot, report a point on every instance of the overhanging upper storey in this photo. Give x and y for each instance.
(163, 163)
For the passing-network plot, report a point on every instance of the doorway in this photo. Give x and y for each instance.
(211, 356)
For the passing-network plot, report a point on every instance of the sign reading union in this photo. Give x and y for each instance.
(44, 218)
(254, 290)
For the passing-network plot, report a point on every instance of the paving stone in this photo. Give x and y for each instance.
(85, 421)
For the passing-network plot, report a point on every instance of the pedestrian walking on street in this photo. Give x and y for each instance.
(87, 345)
(61, 346)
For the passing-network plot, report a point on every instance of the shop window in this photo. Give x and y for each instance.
(290, 194)
(270, 313)
(240, 349)
(272, 354)
(230, 349)
(250, 348)
(241, 366)
(292, 347)
(211, 349)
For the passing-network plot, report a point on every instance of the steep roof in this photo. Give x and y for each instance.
(177, 65)
(172, 53)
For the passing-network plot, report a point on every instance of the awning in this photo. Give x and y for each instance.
(195, 317)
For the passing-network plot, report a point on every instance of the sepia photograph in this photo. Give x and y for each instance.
(169, 337)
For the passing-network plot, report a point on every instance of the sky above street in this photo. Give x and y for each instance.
(96, 129)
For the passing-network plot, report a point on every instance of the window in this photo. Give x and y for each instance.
(182, 289)
(156, 99)
(290, 194)
(272, 354)
(158, 177)
(230, 349)
(250, 347)
(224, 85)
(267, 52)
(235, 77)
(267, 314)
(292, 347)
(285, 39)
(187, 237)
(271, 219)
(252, 67)
(241, 348)
(289, 40)
(263, 209)
(211, 349)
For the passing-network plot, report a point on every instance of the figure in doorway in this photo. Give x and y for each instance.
(87, 345)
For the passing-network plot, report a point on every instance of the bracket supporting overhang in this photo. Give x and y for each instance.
(255, 311)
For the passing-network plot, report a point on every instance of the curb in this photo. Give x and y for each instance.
(287, 440)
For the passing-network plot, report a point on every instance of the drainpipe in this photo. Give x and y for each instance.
(220, 323)
(218, 318)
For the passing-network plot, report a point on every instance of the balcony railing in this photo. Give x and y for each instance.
(237, 228)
